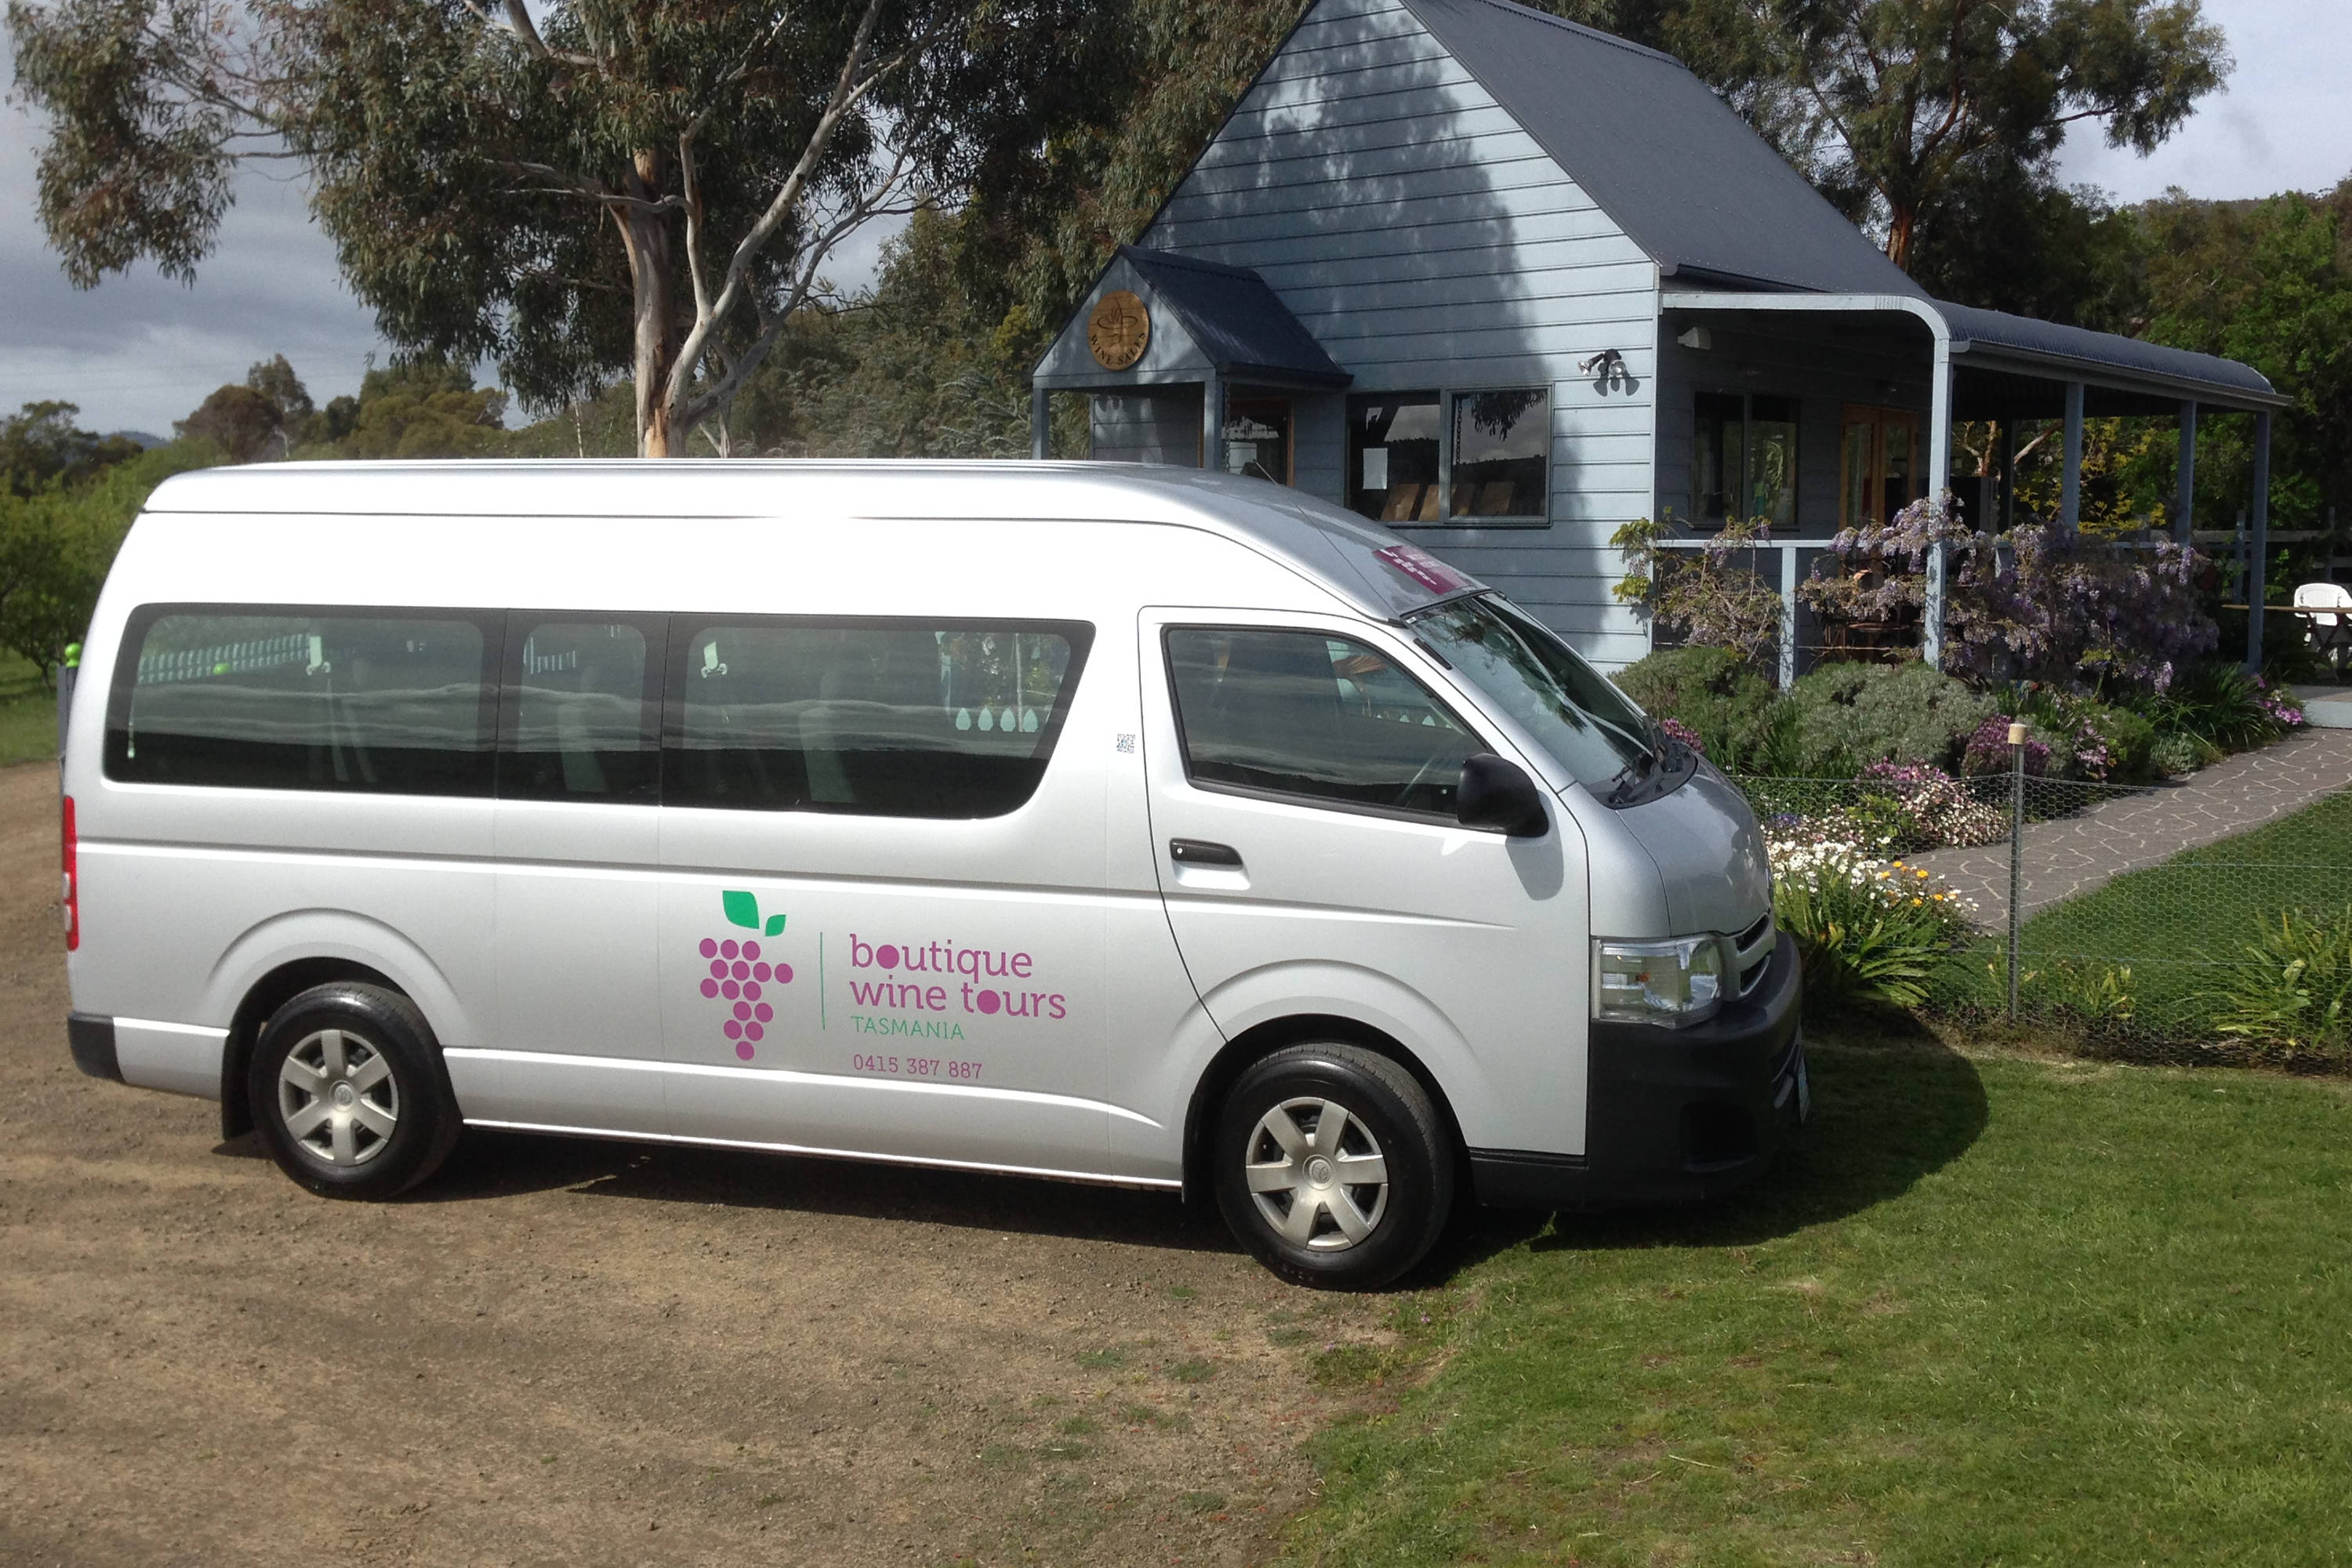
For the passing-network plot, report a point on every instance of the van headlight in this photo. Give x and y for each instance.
(1671, 983)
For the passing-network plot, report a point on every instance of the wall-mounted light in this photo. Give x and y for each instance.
(1697, 338)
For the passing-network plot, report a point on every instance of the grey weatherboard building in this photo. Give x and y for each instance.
(1509, 283)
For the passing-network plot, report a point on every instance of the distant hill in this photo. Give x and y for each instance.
(146, 443)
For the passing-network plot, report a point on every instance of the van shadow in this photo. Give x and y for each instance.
(489, 1165)
(1891, 1105)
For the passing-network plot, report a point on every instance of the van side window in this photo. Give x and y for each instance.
(583, 717)
(393, 702)
(1323, 719)
(882, 718)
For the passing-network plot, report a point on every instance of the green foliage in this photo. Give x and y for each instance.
(1846, 90)
(2290, 990)
(1744, 726)
(2215, 705)
(582, 190)
(2091, 740)
(41, 445)
(1715, 596)
(2010, 238)
(57, 544)
(2269, 283)
(1849, 716)
(1853, 946)
(238, 420)
(417, 408)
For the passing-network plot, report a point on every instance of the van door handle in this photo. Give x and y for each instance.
(1197, 852)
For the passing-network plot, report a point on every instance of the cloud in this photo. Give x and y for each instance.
(2280, 125)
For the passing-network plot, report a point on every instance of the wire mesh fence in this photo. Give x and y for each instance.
(2143, 921)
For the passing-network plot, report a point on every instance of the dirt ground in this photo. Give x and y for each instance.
(565, 1352)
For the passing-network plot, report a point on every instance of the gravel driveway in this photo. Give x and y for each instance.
(573, 1351)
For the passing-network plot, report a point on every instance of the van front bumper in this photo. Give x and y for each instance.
(1673, 1115)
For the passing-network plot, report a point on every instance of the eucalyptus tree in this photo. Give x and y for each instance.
(580, 190)
(1893, 106)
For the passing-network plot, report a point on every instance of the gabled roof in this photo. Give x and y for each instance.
(1674, 166)
(1236, 320)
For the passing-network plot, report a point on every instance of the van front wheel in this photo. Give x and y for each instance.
(348, 1092)
(1331, 1166)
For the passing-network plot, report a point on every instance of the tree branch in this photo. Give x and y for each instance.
(850, 88)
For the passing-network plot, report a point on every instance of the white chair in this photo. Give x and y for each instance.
(2329, 634)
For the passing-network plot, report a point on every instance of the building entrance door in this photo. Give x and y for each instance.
(1880, 472)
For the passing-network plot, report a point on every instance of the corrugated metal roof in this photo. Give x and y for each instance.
(1670, 161)
(1236, 319)
(2046, 341)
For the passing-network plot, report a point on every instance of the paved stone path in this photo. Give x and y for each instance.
(2073, 855)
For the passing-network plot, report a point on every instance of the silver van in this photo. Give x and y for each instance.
(1104, 822)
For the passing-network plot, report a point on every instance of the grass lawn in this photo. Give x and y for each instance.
(2161, 921)
(1988, 1310)
(28, 714)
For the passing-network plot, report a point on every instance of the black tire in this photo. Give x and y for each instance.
(375, 1133)
(1387, 1109)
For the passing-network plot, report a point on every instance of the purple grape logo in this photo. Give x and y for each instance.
(740, 977)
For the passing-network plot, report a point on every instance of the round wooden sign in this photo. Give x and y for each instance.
(1118, 331)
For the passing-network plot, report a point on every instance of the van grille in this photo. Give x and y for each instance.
(1753, 952)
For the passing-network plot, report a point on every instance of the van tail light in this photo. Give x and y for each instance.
(72, 881)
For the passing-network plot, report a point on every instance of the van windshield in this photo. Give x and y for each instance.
(1569, 707)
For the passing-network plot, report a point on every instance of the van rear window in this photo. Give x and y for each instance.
(882, 718)
(387, 701)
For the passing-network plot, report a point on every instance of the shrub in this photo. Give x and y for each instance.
(2088, 738)
(1927, 808)
(1705, 595)
(1865, 929)
(2034, 604)
(1740, 722)
(2217, 704)
(2177, 756)
(1849, 716)
(2290, 991)
(1987, 751)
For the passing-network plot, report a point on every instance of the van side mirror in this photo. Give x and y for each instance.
(1497, 792)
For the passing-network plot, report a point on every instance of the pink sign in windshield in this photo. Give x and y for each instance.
(1423, 568)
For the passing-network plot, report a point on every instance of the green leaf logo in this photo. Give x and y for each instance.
(742, 908)
(775, 924)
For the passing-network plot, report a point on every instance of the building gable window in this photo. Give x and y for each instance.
(1744, 458)
(1423, 457)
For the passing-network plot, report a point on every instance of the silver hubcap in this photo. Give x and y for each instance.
(1316, 1175)
(337, 1097)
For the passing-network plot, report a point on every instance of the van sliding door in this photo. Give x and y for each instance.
(882, 927)
(577, 831)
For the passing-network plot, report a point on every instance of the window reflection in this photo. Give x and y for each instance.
(1502, 445)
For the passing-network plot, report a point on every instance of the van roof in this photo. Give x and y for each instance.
(1361, 561)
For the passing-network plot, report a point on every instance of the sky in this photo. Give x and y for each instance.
(141, 350)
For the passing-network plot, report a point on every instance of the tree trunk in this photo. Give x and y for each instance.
(1901, 219)
(646, 237)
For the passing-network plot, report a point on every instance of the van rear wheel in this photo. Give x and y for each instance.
(349, 1093)
(1332, 1167)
